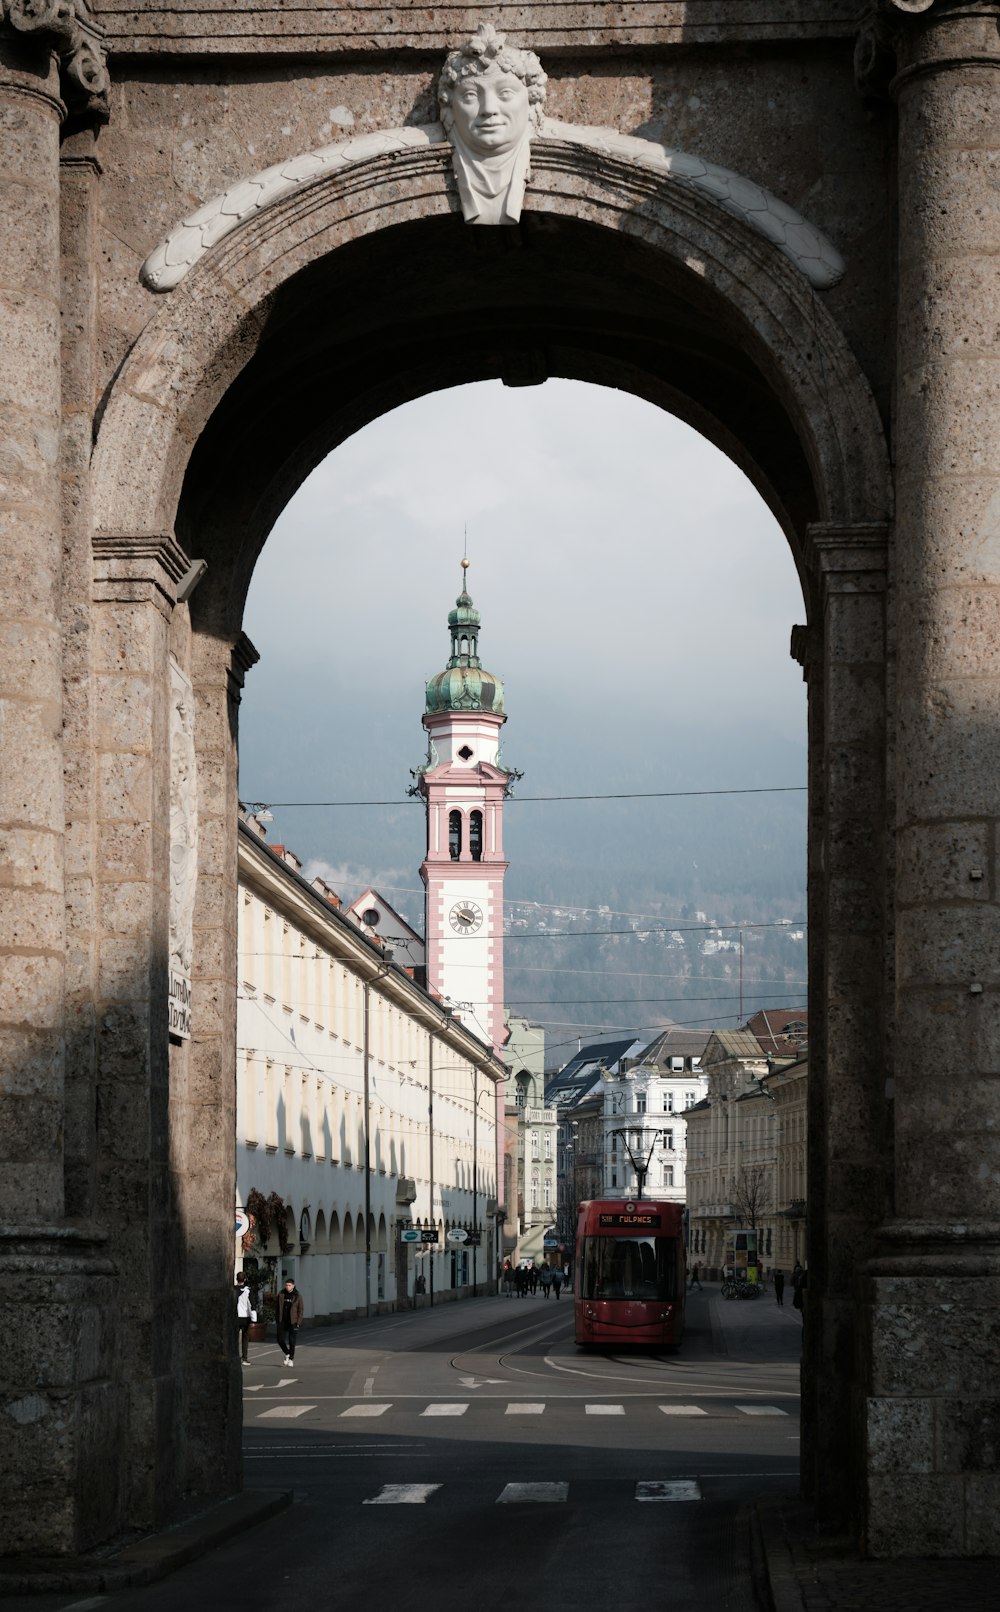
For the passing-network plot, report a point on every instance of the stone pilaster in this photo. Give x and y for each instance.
(933, 1353)
(203, 1078)
(845, 659)
(134, 591)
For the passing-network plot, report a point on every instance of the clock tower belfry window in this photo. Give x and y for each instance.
(464, 787)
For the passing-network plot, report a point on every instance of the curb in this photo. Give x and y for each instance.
(148, 1559)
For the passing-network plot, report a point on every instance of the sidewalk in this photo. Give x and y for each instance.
(804, 1570)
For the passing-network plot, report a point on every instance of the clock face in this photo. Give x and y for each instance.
(465, 917)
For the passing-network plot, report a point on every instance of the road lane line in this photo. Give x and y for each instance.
(533, 1409)
(672, 1489)
(445, 1410)
(369, 1408)
(605, 1410)
(403, 1494)
(513, 1494)
(683, 1410)
(285, 1411)
(761, 1410)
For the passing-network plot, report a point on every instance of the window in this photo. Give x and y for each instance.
(614, 1178)
(668, 1175)
(476, 836)
(667, 1140)
(668, 1102)
(371, 916)
(548, 1195)
(548, 1144)
(640, 1102)
(455, 835)
(465, 752)
(690, 1098)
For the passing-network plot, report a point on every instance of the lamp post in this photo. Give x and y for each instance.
(639, 1164)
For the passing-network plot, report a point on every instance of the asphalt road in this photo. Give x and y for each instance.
(470, 1457)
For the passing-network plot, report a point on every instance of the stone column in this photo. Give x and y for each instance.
(845, 661)
(58, 1404)
(32, 911)
(933, 1292)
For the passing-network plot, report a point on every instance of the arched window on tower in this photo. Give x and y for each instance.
(455, 835)
(476, 835)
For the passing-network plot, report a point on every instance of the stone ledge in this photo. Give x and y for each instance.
(143, 1561)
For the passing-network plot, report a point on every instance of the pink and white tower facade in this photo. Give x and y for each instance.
(465, 787)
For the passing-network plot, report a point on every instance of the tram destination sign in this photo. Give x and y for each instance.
(638, 1220)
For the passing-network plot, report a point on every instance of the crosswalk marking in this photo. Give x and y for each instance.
(285, 1411)
(605, 1410)
(402, 1494)
(513, 1494)
(683, 1410)
(368, 1408)
(445, 1410)
(532, 1409)
(671, 1489)
(761, 1410)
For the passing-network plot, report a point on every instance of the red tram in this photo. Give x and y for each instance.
(630, 1276)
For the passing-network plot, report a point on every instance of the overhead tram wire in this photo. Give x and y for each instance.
(524, 800)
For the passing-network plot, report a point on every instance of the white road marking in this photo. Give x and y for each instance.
(605, 1410)
(513, 1494)
(88, 1605)
(402, 1494)
(673, 1489)
(285, 1410)
(369, 1386)
(480, 1382)
(445, 1410)
(683, 1410)
(524, 1410)
(369, 1408)
(247, 1389)
(285, 1382)
(761, 1410)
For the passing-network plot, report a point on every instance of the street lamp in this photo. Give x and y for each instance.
(640, 1164)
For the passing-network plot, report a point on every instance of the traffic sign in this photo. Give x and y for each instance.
(429, 1236)
(242, 1225)
(409, 1235)
(458, 1235)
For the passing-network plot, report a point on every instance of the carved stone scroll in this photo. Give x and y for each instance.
(69, 29)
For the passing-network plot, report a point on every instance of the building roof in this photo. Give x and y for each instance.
(733, 1044)
(674, 1042)
(577, 1078)
(782, 1032)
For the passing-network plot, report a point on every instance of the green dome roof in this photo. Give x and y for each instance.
(464, 685)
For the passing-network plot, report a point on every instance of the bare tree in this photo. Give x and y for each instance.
(751, 1194)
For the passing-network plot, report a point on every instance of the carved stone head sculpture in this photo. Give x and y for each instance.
(491, 98)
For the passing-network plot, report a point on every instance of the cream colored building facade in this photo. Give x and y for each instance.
(746, 1161)
(334, 1043)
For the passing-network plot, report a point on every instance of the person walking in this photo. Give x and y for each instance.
(696, 1277)
(546, 1280)
(245, 1314)
(557, 1280)
(799, 1280)
(778, 1277)
(533, 1280)
(289, 1317)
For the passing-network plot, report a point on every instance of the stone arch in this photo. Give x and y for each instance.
(796, 411)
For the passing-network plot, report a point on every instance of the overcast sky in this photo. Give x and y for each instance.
(636, 598)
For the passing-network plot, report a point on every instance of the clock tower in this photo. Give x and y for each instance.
(465, 787)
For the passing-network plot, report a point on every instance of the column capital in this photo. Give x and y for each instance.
(848, 556)
(138, 568)
(897, 38)
(67, 28)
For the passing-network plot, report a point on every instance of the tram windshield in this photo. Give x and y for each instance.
(628, 1268)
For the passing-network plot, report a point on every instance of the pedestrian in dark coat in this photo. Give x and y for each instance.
(779, 1286)
(290, 1311)
(557, 1281)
